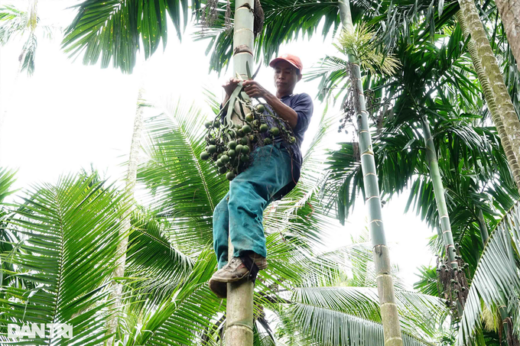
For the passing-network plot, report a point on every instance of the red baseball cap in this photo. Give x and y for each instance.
(291, 59)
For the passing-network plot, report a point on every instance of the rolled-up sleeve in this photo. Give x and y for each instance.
(304, 108)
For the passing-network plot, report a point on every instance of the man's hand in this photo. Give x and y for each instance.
(254, 89)
(230, 86)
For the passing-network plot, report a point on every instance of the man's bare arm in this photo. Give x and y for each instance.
(254, 89)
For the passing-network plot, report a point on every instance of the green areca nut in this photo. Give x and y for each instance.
(246, 129)
(204, 155)
(230, 176)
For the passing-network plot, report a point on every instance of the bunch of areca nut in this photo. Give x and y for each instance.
(237, 130)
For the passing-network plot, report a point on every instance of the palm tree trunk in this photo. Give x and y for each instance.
(239, 322)
(510, 15)
(131, 177)
(438, 188)
(385, 285)
(442, 208)
(495, 91)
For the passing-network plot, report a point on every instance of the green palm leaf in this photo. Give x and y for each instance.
(114, 29)
(185, 189)
(330, 327)
(7, 179)
(285, 20)
(192, 308)
(496, 281)
(13, 21)
(71, 232)
(155, 267)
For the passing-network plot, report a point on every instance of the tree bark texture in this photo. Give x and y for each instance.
(239, 322)
(510, 14)
(495, 91)
(385, 285)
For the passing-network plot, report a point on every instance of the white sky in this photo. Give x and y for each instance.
(68, 116)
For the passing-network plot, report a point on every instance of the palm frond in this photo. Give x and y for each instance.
(28, 54)
(113, 29)
(330, 327)
(185, 189)
(154, 265)
(13, 22)
(496, 281)
(7, 179)
(285, 20)
(71, 233)
(361, 45)
(193, 307)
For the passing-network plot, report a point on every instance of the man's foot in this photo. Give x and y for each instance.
(219, 288)
(234, 271)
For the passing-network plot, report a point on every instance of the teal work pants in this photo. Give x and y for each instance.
(240, 212)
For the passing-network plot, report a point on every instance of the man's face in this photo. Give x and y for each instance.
(285, 77)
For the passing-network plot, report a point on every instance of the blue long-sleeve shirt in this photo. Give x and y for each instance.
(303, 106)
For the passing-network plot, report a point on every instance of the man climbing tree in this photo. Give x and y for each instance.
(274, 171)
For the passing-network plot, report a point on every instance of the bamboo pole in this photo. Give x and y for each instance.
(385, 285)
(239, 323)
